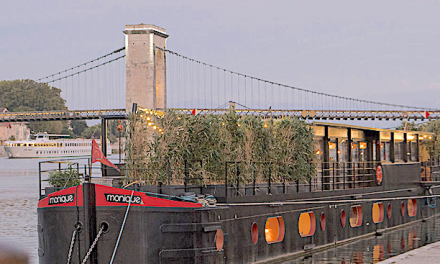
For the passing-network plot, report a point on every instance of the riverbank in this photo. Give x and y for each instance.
(428, 254)
(3, 152)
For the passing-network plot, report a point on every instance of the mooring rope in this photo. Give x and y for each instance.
(122, 228)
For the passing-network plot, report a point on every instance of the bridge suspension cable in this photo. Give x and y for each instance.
(83, 64)
(94, 85)
(189, 80)
(85, 70)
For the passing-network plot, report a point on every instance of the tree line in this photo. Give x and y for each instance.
(29, 95)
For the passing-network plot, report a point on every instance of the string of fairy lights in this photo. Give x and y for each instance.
(147, 114)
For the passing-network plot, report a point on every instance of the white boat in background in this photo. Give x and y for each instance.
(43, 145)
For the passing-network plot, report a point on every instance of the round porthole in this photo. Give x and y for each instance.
(343, 218)
(254, 233)
(219, 240)
(307, 224)
(323, 222)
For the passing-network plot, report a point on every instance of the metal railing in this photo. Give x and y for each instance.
(79, 166)
(59, 115)
(327, 114)
(240, 179)
(430, 170)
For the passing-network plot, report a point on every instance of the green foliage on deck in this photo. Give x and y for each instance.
(64, 178)
(172, 145)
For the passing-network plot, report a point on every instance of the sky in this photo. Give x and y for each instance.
(375, 50)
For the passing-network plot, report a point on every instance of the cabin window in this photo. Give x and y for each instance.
(402, 208)
(306, 224)
(377, 213)
(323, 221)
(389, 211)
(319, 148)
(219, 240)
(359, 151)
(356, 216)
(254, 233)
(399, 151)
(343, 218)
(413, 150)
(333, 149)
(412, 207)
(385, 145)
(274, 229)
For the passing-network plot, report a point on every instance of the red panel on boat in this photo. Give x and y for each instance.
(110, 196)
(66, 197)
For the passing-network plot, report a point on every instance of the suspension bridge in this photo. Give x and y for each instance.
(147, 73)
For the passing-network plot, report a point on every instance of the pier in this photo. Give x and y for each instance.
(429, 254)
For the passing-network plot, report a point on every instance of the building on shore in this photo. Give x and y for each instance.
(15, 130)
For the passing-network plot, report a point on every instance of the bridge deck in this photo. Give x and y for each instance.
(56, 115)
(328, 114)
(307, 114)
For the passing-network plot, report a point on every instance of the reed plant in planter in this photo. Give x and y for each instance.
(194, 149)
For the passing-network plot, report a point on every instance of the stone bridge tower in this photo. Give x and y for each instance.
(145, 66)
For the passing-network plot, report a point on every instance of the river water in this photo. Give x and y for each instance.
(18, 202)
(18, 218)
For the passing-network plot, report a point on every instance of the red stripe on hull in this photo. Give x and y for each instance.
(109, 196)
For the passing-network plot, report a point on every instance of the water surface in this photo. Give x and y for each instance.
(18, 218)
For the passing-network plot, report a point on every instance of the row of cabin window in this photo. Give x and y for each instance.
(63, 151)
(274, 230)
(51, 144)
(359, 150)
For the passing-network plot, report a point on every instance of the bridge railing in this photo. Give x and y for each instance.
(58, 115)
(324, 114)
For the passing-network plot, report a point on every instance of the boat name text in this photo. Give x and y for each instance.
(121, 198)
(61, 199)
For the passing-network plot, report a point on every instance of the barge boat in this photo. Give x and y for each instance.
(367, 181)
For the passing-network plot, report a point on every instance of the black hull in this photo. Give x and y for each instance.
(188, 235)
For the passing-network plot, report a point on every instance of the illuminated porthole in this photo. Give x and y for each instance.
(343, 218)
(323, 221)
(402, 208)
(219, 240)
(389, 211)
(254, 233)
(306, 224)
(356, 216)
(274, 229)
(412, 207)
(377, 213)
